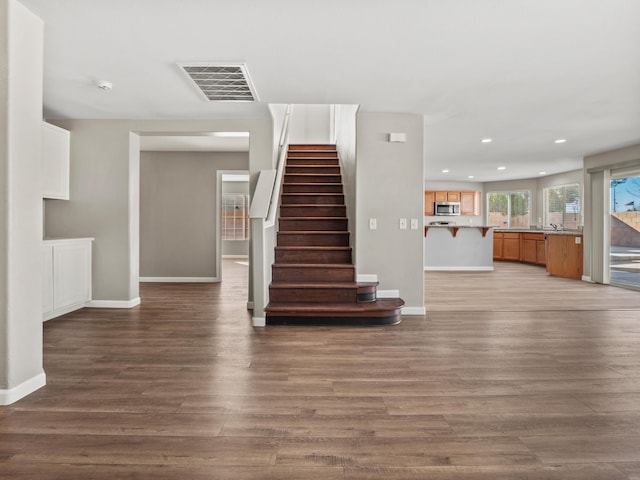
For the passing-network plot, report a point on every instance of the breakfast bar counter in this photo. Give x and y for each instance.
(458, 247)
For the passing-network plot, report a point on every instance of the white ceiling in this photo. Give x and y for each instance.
(523, 73)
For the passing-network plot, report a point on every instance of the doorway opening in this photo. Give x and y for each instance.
(624, 255)
(180, 199)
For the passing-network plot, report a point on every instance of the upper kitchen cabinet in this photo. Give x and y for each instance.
(55, 162)
(429, 199)
(469, 203)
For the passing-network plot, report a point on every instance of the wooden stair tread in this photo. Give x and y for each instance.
(333, 285)
(380, 306)
(311, 247)
(314, 265)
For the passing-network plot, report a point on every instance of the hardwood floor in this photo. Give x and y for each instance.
(510, 375)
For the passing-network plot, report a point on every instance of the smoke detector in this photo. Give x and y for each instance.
(104, 85)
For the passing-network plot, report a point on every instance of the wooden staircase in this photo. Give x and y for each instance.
(313, 277)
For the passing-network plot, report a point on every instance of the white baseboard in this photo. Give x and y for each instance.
(367, 278)
(12, 395)
(259, 321)
(414, 311)
(179, 279)
(587, 279)
(114, 303)
(239, 257)
(388, 294)
(459, 269)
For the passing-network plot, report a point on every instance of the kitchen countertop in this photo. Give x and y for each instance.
(534, 230)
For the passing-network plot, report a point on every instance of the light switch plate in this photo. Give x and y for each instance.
(373, 224)
(403, 224)
(414, 224)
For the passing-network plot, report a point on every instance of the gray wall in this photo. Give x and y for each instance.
(104, 195)
(21, 53)
(390, 187)
(178, 205)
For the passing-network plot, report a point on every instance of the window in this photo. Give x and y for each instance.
(235, 216)
(562, 206)
(509, 209)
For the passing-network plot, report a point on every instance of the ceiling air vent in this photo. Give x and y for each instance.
(222, 83)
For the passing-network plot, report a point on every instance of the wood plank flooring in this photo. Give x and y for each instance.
(511, 375)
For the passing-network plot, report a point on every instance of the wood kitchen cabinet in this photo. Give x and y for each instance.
(564, 255)
(511, 246)
(469, 201)
(441, 196)
(429, 199)
(533, 248)
(506, 246)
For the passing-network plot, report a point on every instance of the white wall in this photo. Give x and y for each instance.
(21, 53)
(101, 191)
(390, 187)
(310, 124)
(345, 137)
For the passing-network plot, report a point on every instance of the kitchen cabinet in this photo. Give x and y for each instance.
(533, 248)
(564, 255)
(441, 196)
(506, 246)
(55, 161)
(429, 199)
(469, 203)
(66, 276)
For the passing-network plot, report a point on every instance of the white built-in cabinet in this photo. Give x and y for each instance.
(66, 275)
(55, 161)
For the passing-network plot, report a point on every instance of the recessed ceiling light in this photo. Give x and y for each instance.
(486, 140)
(445, 170)
(470, 176)
(502, 168)
(542, 173)
(560, 140)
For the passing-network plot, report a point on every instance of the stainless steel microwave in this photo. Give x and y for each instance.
(447, 208)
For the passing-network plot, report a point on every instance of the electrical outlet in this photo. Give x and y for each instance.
(578, 240)
(403, 224)
(373, 224)
(414, 224)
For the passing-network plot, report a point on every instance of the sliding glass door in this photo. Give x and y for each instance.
(625, 230)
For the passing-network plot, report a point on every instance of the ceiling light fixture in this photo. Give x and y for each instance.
(542, 173)
(486, 140)
(502, 168)
(470, 176)
(560, 140)
(445, 171)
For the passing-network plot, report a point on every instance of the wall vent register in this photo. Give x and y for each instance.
(222, 83)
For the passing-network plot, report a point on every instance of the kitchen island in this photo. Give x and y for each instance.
(458, 247)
